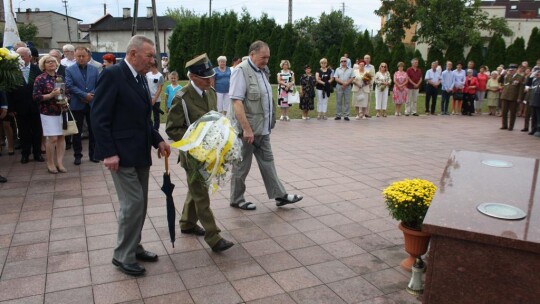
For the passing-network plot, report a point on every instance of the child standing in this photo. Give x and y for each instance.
(172, 88)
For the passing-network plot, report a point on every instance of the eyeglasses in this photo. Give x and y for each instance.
(50, 61)
(343, 60)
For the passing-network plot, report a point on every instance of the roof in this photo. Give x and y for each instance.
(29, 11)
(525, 9)
(110, 23)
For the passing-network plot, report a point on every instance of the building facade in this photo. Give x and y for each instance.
(52, 27)
(112, 34)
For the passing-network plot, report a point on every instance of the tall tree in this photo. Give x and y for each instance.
(301, 57)
(347, 44)
(382, 53)
(275, 40)
(359, 49)
(27, 32)
(515, 53)
(533, 47)
(181, 43)
(287, 45)
(454, 53)
(231, 21)
(462, 23)
(476, 54)
(496, 52)
(368, 45)
(244, 37)
(397, 55)
(434, 55)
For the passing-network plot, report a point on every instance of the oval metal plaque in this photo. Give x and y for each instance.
(501, 211)
(497, 163)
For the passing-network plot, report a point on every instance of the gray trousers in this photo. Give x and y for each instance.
(131, 185)
(262, 150)
(343, 101)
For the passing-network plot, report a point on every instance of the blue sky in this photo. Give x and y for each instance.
(89, 11)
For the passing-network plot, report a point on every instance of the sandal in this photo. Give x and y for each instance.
(245, 206)
(288, 199)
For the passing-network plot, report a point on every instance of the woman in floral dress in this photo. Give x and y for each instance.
(307, 94)
(400, 88)
(285, 80)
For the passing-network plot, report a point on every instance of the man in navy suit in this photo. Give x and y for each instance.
(124, 136)
(81, 79)
(26, 109)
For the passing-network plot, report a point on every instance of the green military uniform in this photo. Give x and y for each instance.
(197, 204)
(512, 92)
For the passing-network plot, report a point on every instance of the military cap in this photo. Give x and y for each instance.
(201, 66)
(512, 66)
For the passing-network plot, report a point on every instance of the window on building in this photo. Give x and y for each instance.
(513, 7)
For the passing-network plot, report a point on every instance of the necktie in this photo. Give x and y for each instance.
(141, 82)
(205, 96)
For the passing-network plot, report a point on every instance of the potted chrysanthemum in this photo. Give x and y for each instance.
(408, 202)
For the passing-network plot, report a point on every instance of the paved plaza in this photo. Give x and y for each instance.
(338, 245)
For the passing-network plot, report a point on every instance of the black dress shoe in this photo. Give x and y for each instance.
(94, 160)
(503, 128)
(337, 118)
(222, 245)
(134, 269)
(197, 230)
(532, 132)
(68, 146)
(3, 179)
(77, 161)
(146, 256)
(24, 159)
(39, 158)
(346, 118)
(524, 130)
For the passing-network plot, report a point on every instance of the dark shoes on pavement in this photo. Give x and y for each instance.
(222, 245)
(134, 269)
(146, 256)
(77, 161)
(197, 230)
(24, 159)
(3, 179)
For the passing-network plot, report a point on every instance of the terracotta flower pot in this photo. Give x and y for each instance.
(416, 245)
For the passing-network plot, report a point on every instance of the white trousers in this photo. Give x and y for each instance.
(381, 99)
(322, 103)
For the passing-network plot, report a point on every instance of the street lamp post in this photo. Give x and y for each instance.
(19, 9)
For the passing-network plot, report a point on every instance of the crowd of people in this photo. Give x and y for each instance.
(509, 93)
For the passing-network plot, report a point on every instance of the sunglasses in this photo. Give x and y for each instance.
(383, 66)
(343, 60)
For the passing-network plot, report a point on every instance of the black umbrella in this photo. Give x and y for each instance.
(168, 188)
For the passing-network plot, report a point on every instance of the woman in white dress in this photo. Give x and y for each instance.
(382, 83)
(361, 89)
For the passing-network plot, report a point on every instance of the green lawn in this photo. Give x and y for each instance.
(296, 113)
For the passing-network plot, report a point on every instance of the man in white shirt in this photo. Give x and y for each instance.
(433, 80)
(371, 69)
(69, 56)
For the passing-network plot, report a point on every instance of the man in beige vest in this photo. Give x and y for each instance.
(252, 106)
(511, 93)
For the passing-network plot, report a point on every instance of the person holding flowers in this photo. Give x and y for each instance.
(192, 102)
(382, 82)
(361, 90)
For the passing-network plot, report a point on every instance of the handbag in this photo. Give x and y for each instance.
(458, 95)
(293, 97)
(71, 125)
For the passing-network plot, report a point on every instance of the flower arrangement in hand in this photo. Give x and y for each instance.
(408, 201)
(367, 78)
(10, 72)
(212, 146)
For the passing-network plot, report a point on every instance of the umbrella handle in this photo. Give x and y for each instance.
(167, 163)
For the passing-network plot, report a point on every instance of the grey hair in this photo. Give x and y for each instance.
(24, 49)
(19, 44)
(57, 51)
(220, 58)
(68, 47)
(257, 46)
(137, 41)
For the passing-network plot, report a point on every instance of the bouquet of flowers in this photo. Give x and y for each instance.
(10, 72)
(213, 146)
(367, 78)
(409, 200)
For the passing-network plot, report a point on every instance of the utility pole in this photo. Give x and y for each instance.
(290, 11)
(135, 14)
(67, 20)
(104, 9)
(210, 9)
(156, 34)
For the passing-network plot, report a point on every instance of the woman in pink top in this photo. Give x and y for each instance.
(482, 78)
(400, 88)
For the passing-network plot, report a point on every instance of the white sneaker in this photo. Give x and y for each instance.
(282, 118)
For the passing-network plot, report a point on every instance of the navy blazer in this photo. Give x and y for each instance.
(20, 99)
(121, 120)
(78, 88)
